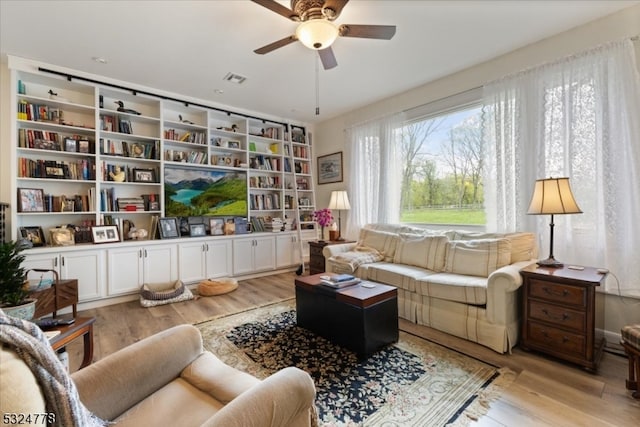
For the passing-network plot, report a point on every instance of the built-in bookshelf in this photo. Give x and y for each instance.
(102, 154)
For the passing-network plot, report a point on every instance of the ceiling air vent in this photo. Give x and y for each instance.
(234, 78)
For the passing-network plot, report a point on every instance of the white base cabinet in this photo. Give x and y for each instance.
(204, 260)
(131, 267)
(87, 266)
(253, 254)
(287, 250)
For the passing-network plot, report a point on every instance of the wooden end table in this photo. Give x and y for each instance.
(559, 315)
(358, 318)
(82, 327)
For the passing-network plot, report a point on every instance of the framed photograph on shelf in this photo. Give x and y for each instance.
(197, 230)
(330, 168)
(105, 233)
(144, 175)
(136, 150)
(234, 144)
(34, 234)
(70, 144)
(216, 225)
(168, 228)
(62, 236)
(30, 200)
(54, 172)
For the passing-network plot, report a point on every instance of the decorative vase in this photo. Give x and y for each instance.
(321, 234)
(24, 311)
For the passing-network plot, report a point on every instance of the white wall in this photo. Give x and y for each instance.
(330, 135)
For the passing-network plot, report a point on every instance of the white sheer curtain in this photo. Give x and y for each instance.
(374, 172)
(577, 117)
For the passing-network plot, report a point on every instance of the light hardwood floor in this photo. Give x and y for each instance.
(545, 393)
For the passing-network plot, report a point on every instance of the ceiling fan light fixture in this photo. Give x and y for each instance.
(317, 34)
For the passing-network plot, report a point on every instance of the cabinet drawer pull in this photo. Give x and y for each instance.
(62, 261)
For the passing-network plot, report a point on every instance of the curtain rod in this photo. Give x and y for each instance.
(135, 92)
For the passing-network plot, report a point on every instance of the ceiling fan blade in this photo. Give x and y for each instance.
(275, 45)
(384, 32)
(328, 58)
(276, 7)
(336, 6)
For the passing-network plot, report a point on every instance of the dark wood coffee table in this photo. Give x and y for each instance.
(358, 318)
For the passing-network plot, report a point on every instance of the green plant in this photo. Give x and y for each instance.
(12, 289)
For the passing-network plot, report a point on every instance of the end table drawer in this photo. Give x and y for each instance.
(561, 316)
(563, 294)
(556, 339)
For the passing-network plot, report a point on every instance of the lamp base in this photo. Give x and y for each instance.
(549, 262)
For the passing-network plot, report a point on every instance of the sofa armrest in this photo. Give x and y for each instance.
(332, 250)
(283, 399)
(503, 304)
(119, 381)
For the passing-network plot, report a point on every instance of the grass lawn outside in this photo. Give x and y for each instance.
(444, 216)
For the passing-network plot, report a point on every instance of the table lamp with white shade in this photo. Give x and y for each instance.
(339, 202)
(552, 196)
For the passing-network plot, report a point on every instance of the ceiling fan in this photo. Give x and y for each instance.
(317, 31)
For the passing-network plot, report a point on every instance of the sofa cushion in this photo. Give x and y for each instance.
(523, 246)
(454, 287)
(382, 241)
(421, 251)
(399, 275)
(178, 403)
(477, 257)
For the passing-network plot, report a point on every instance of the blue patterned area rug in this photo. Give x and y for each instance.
(411, 383)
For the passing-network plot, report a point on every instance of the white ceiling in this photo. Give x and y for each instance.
(187, 47)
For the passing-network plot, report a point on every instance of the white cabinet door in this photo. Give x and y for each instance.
(218, 258)
(45, 261)
(125, 270)
(160, 264)
(191, 264)
(287, 251)
(243, 256)
(264, 253)
(88, 267)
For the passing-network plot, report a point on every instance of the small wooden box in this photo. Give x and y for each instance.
(63, 293)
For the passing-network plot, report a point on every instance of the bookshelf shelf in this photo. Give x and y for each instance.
(153, 135)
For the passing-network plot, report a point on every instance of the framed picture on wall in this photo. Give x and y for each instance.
(330, 168)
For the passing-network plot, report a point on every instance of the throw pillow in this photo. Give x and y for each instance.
(422, 251)
(382, 241)
(523, 246)
(477, 257)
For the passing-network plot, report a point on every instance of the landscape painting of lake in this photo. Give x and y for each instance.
(189, 192)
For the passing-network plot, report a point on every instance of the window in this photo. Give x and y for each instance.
(442, 160)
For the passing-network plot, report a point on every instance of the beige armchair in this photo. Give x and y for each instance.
(168, 379)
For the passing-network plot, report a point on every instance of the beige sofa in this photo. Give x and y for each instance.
(462, 283)
(168, 380)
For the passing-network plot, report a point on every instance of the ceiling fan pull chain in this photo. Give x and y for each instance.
(317, 85)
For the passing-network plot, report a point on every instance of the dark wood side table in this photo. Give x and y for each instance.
(316, 259)
(82, 327)
(559, 314)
